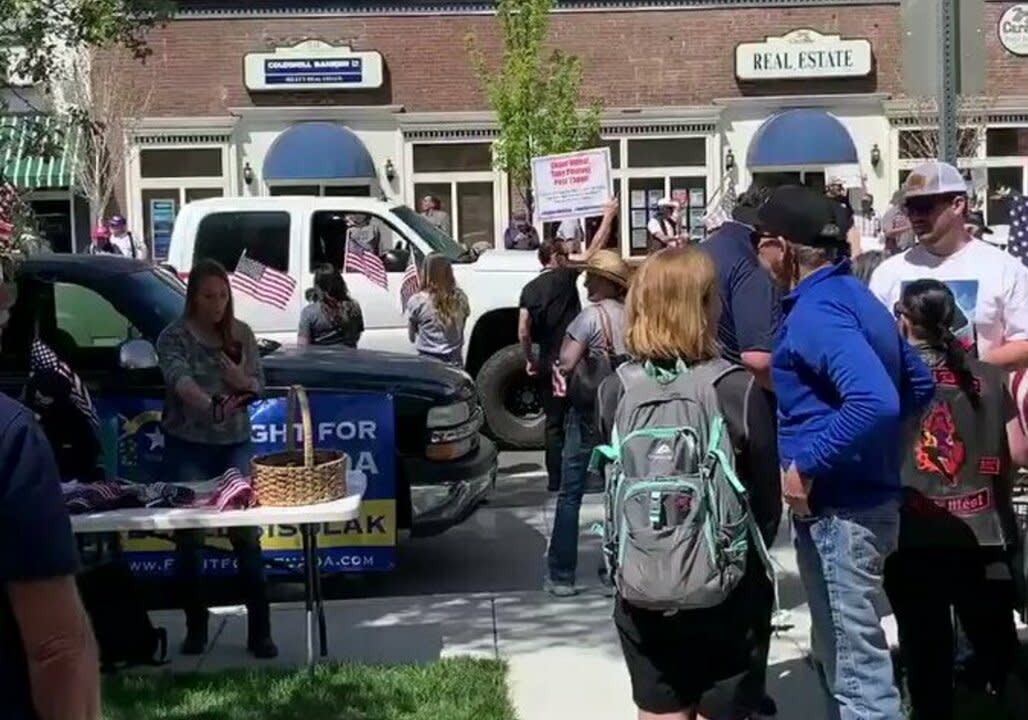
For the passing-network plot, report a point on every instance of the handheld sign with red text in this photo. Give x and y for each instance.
(571, 185)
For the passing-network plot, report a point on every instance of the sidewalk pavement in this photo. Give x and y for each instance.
(563, 655)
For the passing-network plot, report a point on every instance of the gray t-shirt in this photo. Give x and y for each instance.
(320, 328)
(587, 327)
(183, 355)
(433, 337)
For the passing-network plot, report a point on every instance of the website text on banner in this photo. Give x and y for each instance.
(572, 185)
(359, 424)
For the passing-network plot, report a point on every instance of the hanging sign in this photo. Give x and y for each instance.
(1013, 29)
(802, 55)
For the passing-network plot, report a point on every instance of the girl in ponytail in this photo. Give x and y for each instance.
(926, 311)
(957, 517)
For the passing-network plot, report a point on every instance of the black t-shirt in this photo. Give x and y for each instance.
(750, 301)
(35, 537)
(552, 301)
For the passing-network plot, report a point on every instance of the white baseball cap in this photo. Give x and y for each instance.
(934, 178)
(667, 202)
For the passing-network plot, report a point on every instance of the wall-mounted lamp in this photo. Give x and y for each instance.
(729, 160)
(876, 156)
(247, 174)
(390, 170)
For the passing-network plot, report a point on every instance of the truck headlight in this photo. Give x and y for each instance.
(448, 415)
(453, 430)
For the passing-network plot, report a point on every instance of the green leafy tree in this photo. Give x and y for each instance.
(534, 92)
(39, 39)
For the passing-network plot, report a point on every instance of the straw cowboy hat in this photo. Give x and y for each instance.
(608, 264)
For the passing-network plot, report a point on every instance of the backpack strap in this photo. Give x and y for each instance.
(608, 335)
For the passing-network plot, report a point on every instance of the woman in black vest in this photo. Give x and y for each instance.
(957, 530)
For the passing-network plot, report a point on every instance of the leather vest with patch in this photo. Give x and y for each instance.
(956, 469)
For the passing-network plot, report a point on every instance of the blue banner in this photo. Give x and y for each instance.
(359, 424)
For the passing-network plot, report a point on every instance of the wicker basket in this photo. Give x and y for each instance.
(299, 477)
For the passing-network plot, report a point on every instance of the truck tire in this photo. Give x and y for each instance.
(509, 399)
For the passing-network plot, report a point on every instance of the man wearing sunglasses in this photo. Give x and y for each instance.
(990, 286)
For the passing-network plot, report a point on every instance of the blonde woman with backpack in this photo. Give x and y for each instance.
(436, 315)
(685, 612)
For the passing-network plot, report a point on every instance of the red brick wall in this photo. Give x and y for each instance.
(669, 57)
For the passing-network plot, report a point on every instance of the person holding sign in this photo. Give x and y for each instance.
(212, 372)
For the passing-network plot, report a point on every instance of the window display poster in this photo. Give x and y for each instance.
(162, 220)
(571, 185)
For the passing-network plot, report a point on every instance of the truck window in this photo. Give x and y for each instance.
(263, 236)
(87, 318)
(330, 229)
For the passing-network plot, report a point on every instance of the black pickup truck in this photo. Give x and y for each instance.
(102, 314)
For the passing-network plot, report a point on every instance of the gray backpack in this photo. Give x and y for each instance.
(678, 526)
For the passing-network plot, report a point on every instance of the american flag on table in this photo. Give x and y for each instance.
(44, 359)
(8, 197)
(262, 283)
(1017, 243)
(233, 492)
(363, 260)
(411, 281)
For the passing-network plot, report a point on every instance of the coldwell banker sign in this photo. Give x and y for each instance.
(803, 55)
(1013, 29)
(313, 65)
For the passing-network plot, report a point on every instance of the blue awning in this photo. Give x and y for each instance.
(801, 137)
(318, 151)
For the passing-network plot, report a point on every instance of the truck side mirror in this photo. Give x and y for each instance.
(137, 355)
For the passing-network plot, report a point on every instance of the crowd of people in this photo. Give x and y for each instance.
(876, 405)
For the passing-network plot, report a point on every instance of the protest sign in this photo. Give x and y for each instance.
(571, 185)
(360, 424)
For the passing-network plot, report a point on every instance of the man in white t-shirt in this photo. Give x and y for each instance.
(990, 286)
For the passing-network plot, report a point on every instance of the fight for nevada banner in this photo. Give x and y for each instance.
(360, 424)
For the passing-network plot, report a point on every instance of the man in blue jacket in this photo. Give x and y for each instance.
(846, 381)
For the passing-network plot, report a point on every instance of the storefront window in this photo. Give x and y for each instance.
(657, 168)
(1002, 181)
(188, 162)
(667, 152)
(168, 179)
(461, 176)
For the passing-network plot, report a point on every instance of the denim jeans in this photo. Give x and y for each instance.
(195, 462)
(562, 556)
(841, 556)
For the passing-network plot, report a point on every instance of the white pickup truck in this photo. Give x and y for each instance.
(294, 235)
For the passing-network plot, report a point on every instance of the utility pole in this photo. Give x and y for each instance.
(949, 79)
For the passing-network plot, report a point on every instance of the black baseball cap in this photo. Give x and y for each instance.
(801, 216)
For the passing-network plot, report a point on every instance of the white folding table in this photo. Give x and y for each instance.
(156, 520)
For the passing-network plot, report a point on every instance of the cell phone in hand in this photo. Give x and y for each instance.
(245, 398)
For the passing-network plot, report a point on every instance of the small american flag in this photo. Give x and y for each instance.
(1017, 243)
(262, 283)
(43, 359)
(8, 198)
(363, 260)
(234, 492)
(411, 282)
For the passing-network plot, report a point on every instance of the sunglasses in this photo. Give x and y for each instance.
(757, 235)
(925, 205)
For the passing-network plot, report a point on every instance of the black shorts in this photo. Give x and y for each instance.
(702, 659)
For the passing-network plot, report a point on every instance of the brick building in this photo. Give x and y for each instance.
(338, 97)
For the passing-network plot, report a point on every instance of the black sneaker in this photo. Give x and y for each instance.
(766, 708)
(263, 649)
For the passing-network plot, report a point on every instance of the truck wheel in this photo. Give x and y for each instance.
(510, 400)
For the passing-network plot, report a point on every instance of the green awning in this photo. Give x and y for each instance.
(38, 151)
